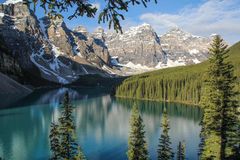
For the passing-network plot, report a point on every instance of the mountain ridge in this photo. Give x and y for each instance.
(62, 55)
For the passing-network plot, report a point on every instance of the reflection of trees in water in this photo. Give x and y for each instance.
(98, 118)
(91, 113)
(32, 122)
(155, 108)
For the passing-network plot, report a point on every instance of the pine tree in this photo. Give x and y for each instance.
(165, 151)
(181, 151)
(80, 155)
(69, 147)
(62, 136)
(55, 141)
(220, 106)
(137, 146)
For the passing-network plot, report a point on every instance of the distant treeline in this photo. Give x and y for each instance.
(179, 84)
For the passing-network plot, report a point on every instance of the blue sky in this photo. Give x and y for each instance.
(200, 17)
(132, 17)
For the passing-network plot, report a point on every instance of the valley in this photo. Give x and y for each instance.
(100, 80)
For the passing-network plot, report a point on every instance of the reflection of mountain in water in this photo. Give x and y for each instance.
(54, 96)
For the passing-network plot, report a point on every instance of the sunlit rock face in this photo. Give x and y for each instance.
(48, 48)
(139, 45)
(19, 28)
(184, 47)
(140, 49)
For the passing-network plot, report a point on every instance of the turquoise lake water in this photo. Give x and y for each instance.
(101, 121)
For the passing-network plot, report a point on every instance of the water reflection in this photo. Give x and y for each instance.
(102, 125)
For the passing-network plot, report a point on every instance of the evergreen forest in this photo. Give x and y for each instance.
(179, 84)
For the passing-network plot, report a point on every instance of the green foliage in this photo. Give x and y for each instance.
(80, 155)
(62, 137)
(180, 84)
(111, 13)
(67, 131)
(220, 120)
(55, 141)
(181, 151)
(137, 146)
(153, 108)
(53, 8)
(165, 151)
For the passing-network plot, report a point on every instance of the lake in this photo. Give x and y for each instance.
(102, 124)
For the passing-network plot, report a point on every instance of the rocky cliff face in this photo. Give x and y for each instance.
(184, 48)
(48, 47)
(140, 49)
(138, 45)
(8, 64)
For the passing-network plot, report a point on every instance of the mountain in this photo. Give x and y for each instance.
(141, 48)
(8, 64)
(138, 45)
(185, 48)
(49, 49)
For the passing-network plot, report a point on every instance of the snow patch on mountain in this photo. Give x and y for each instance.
(35, 57)
(54, 65)
(136, 66)
(193, 51)
(76, 51)
(56, 51)
(114, 62)
(170, 63)
(104, 67)
(84, 69)
(196, 61)
(2, 14)
(43, 28)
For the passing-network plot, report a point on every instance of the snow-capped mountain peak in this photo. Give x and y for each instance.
(179, 44)
(80, 29)
(178, 33)
(143, 26)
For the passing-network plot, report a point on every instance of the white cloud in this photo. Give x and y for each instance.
(213, 16)
(97, 5)
(127, 23)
